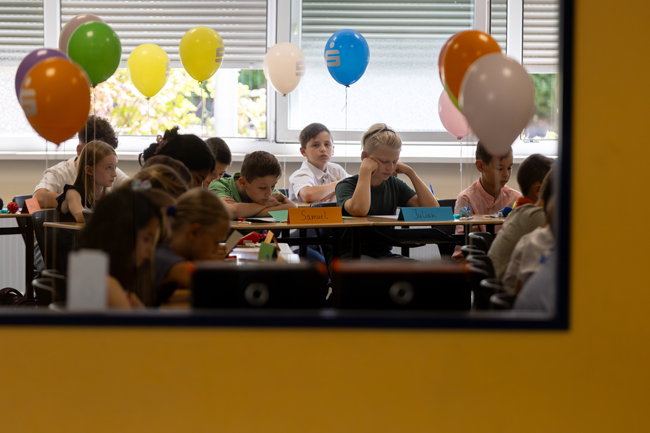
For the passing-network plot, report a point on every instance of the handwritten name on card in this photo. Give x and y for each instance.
(315, 215)
(426, 214)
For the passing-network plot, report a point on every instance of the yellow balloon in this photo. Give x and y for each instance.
(148, 68)
(201, 51)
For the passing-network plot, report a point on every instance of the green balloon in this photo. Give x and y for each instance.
(97, 49)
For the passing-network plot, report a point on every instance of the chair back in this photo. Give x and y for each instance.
(468, 250)
(483, 240)
(55, 244)
(477, 275)
(20, 201)
(484, 258)
(447, 202)
(50, 287)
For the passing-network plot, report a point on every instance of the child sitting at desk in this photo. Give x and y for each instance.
(317, 178)
(97, 172)
(376, 190)
(65, 172)
(535, 179)
(222, 155)
(188, 149)
(489, 193)
(199, 225)
(252, 192)
(130, 248)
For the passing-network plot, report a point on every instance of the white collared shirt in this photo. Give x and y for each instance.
(64, 173)
(310, 175)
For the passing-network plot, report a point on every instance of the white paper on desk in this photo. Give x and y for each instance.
(232, 241)
(393, 217)
(87, 282)
(262, 220)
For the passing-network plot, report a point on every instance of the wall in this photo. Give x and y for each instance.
(592, 378)
(20, 177)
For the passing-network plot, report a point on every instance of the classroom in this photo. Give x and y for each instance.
(383, 150)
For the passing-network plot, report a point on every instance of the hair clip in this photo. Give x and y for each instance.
(171, 210)
(140, 184)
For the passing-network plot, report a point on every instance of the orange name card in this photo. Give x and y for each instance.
(315, 215)
(32, 205)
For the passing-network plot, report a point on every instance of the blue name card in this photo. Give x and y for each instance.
(426, 214)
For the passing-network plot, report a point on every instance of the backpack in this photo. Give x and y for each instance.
(10, 297)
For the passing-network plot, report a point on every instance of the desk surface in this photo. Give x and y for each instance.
(477, 220)
(15, 215)
(357, 222)
(65, 225)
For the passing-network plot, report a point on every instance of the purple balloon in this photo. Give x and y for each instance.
(31, 60)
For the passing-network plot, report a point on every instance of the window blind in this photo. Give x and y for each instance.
(499, 22)
(240, 23)
(21, 30)
(415, 19)
(541, 32)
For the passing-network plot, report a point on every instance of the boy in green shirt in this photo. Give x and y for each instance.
(252, 192)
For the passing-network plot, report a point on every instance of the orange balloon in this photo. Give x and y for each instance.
(55, 96)
(463, 50)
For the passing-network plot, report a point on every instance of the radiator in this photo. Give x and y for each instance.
(12, 258)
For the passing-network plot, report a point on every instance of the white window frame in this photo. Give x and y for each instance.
(419, 146)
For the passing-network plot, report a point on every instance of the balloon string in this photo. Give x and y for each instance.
(202, 110)
(148, 111)
(345, 163)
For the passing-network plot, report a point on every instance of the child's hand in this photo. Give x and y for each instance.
(369, 165)
(402, 169)
(220, 254)
(279, 197)
(273, 202)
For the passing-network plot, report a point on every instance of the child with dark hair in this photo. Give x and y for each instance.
(130, 250)
(178, 166)
(525, 217)
(65, 172)
(530, 177)
(186, 148)
(252, 192)
(223, 159)
(316, 179)
(489, 193)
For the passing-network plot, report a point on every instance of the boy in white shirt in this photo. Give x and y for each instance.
(65, 172)
(317, 177)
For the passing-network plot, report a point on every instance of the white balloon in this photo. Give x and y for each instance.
(497, 97)
(284, 66)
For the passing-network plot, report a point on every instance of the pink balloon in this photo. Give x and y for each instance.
(452, 119)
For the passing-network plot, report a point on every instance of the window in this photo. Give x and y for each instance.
(22, 30)
(400, 85)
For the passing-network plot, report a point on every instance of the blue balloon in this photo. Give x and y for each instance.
(347, 56)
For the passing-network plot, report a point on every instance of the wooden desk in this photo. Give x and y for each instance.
(65, 225)
(477, 220)
(27, 230)
(335, 240)
(245, 254)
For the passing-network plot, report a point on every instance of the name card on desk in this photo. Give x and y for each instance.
(31, 205)
(315, 215)
(426, 214)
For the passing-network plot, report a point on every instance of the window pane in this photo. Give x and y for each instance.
(14, 123)
(401, 85)
(239, 111)
(544, 125)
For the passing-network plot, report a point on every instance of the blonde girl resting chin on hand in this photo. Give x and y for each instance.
(199, 225)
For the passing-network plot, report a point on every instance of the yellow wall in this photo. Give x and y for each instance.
(594, 377)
